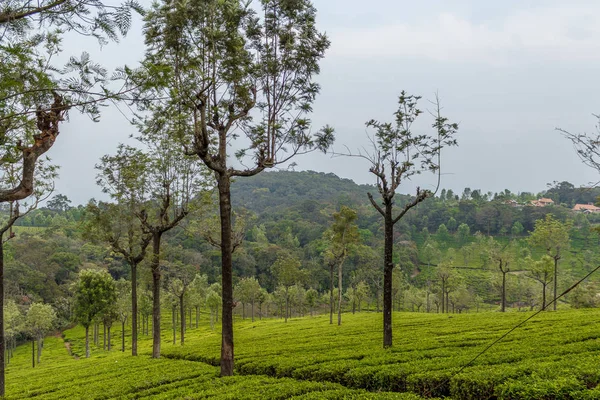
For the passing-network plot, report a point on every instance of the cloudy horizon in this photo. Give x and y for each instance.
(509, 73)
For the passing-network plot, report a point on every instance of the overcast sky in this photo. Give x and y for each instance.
(508, 71)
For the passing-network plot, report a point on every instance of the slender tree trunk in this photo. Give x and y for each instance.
(331, 293)
(503, 306)
(197, 315)
(134, 311)
(174, 323)
(33, 353)
(104, 337)
(340, 292)
(252, 310)
(543, 296)
(190, 309)
(226, 274)
(123, 335)
(243, 310)
(555, 283)
(40, 340)
(182, 309)
(2, 347)
(287, 302)
(87, 341)
(156, 294)
(388, 267)
(108, 340)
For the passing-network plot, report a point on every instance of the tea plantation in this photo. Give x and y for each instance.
(554, 356)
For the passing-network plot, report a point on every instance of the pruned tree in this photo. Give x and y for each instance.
(398, 154)
(501, 257)
(94, 292)
(541, 271)
(553, 237)
(238, 73)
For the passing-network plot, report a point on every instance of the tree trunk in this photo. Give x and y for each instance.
(182, 309)
(226, 274)
(174, 323)
(123, 335)
(252, 310)
(555, 282)
(340, 292)
(197, 315)
(388, 267)
(331, 294)
(40, 340)
(503, 307)
(87, 341)
(108, 340)
(2, 347)
(33, 353)
(286, 303)
(190, 309)
(104, 337)
(156, 294)
(243, 310)
(134, 311)
(543, 296)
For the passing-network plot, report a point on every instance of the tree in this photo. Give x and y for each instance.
(552, 236)
(39, 321)
(463, 234)
(398, 154)
(121, 176)
(227, 68)
(165, 184)
(288, 273)
(431, 252)
(312, 299)
(501, 256)
(94, 292)
(248, 292)
(342, 234)
(14, 325)
(541, 271)
(198, 290)
(179, 281)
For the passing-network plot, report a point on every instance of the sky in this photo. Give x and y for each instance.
(508, 72)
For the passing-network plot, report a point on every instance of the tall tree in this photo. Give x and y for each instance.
(552, 236)
(122, 177)
(342, 234)
(398, 154)
(237, 72)
(95, 291)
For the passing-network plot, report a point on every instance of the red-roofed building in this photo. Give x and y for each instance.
(543, 202)
(586, 208)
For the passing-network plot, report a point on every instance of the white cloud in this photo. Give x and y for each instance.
(546, 34)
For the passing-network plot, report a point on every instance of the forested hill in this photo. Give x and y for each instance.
(285, 189)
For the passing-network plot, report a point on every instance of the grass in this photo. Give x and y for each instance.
(554, 356)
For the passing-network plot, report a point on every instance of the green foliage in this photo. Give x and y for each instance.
(94, 292)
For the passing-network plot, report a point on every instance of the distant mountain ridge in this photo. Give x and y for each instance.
(284, 189)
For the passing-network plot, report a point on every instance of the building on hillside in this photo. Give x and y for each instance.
(543, 202)
(586, 208)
